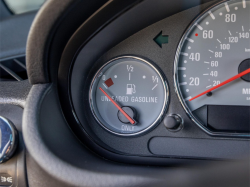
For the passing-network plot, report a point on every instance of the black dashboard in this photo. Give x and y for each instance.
(189, 142)
(128, 93)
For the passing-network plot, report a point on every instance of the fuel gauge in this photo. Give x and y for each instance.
(128, 96)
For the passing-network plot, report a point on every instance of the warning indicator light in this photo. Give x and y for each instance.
(109, 82)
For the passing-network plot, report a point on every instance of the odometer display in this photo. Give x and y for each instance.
(212, 68)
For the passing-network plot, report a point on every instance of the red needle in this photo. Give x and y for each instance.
(223, 83)
(119, 108)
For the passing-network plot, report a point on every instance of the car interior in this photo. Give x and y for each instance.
(115, 93)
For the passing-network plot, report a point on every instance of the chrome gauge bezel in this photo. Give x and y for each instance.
(177, 87)
(164, 107)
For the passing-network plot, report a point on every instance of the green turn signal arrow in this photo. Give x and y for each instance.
(161, 39)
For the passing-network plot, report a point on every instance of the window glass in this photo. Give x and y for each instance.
(21, 6)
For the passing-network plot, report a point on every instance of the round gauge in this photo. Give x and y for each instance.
(212, 69)
(128, 96)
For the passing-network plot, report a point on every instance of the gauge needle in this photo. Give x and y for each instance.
(119, 108)
(223, 83)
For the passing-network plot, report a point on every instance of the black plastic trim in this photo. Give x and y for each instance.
(82, 36)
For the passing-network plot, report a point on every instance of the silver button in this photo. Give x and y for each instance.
(8, 139)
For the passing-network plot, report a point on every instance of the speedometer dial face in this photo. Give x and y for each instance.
(212, 69)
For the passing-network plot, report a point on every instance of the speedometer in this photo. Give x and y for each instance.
(212, 69)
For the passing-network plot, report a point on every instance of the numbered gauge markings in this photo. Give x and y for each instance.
(128, 96)
(215, 48)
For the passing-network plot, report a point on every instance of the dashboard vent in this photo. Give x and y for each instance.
(13, 69)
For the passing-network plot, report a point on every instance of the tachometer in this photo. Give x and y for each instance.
(128, 96)
(212, 69)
